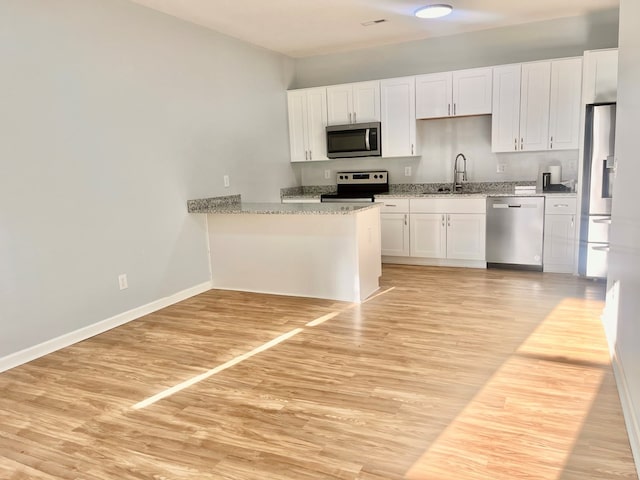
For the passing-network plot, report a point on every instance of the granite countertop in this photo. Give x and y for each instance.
(216, 206)
(474, 195)
(429, 190)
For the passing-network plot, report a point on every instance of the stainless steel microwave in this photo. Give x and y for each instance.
(355, 140)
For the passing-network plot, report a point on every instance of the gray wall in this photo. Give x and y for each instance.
(441, 140)
(565, 37)
(112, 116)
(623, 296)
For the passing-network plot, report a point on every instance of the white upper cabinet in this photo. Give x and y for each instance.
(353, 103)
(433, 95)
(398, 117)
(600, 76)
(536, 106)
(565, 104)
(307, 122)
(505, 121)
(463, 92)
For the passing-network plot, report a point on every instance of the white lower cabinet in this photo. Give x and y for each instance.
(428, 235)
(559, 235)
(394, 229)
(454, 236)
(448, 231)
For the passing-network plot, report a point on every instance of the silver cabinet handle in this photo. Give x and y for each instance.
(390, 205)
(561, 205)
(310, 155)
(354, 118)
(350, 118)
(604, 248)
(405, 219)
(603, 220)
(551, 142)
(454, 109)
(412, 149)
(443, 220)
(448, 220)
(306, 154)
(449, 109)
(522, 143)
(573, 219)
(515, 144)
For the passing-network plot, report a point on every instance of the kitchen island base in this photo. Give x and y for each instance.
(322, 256)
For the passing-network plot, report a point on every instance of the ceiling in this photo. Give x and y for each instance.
(302, 28)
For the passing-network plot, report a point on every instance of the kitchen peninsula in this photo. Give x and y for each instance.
(322, 250)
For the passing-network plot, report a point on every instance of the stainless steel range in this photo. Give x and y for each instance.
(358, 187)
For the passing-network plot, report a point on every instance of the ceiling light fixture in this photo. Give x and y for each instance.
(434, 11)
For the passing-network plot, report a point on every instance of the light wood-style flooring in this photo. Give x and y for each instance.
(452, 374)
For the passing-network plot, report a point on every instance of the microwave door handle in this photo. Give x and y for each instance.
(367, 144)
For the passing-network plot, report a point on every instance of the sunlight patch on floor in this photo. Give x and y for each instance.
(525, 420)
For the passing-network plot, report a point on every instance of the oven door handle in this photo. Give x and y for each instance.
(367, 144)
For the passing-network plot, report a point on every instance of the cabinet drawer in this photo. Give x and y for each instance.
(448, 205)
(560, 205)
(394, 205)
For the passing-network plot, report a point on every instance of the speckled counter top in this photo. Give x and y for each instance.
(426, 190)
(222, 205)
(474, 195)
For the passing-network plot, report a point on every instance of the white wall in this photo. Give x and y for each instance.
(440, 141)
(112, 116)
(623, 297)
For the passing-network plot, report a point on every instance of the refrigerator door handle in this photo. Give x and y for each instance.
(602, 220)
(604, 248)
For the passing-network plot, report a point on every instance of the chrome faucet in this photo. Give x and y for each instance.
(457, 182)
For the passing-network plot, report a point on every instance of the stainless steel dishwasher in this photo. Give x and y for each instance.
(515, 228)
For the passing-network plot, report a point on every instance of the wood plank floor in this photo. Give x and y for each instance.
(447, 374)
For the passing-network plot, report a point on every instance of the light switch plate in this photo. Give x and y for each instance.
(407, 171)
(327, 174)
(501, 168)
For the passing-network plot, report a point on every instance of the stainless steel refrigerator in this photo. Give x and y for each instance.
(597, 189)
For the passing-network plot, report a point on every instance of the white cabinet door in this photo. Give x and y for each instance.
(472, 91)
(394, 228)
(353, 103)
(448, 94)
(559, 243)
(398, 117)
(600, 76)
(564, 113)
(505, 121)
(433, 95)
(366, 102)
(428, 235)
(307, 121)
(466, 236)
(317, 123)
(534, 105)
(297, 105)
(340, 104)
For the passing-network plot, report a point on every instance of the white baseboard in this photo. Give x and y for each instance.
(630, 416)
(44, 348)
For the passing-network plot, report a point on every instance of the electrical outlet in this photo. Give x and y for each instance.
(123, 282)
(501, 168)
(226, 180)
(407, 171)
(327, 174)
